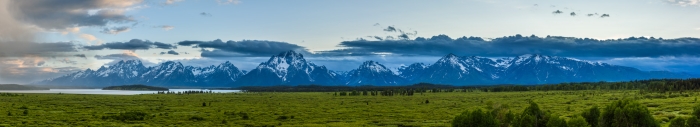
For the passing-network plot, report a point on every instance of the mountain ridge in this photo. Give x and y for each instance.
(290, 68)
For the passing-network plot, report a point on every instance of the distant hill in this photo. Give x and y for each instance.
(137, 87)
(19, 87)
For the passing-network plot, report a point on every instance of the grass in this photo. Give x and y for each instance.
(305, 108)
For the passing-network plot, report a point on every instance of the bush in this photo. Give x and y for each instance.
(677, 122)
(476, 118)
(524, 121)
(578, 121)
(626, 113)
(196, 118)
(282, 118)
(555, 121)
(128, 116)
(592, 116)
(532, 116)
(696, 111)
(693, 122)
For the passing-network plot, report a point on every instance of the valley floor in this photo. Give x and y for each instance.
(307, 108)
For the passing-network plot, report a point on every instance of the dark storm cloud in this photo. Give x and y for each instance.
(390, 29)
(60, 14)
(518, 45)
(133, 44)
(244, 48)
(171, 52)
(80, 55)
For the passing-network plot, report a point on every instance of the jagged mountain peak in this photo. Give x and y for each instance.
(374, 66)
(290, 54)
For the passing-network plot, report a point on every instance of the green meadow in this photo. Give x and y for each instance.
(310, 108)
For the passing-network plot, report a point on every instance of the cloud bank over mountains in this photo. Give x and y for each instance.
(517, 45)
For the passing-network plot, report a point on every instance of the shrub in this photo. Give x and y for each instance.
(696, 111)
(578, 121)
(677, 122)
(626, 113)
(475, 118)
(128, 116)
(534, 113)
(282, 118)
(196, 118)
(524, 121)
(693, 122)
(592, 116)
(555, 121)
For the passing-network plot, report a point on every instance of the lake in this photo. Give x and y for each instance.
(107, 92)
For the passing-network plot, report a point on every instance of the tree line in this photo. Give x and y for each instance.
(651, 85)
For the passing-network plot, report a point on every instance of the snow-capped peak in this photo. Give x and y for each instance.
(374, 66)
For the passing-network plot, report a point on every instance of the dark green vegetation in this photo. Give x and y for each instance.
(324, 109)
(137, 87)
(19, 87)
(652, 85)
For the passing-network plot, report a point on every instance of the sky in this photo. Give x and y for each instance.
(43, 39)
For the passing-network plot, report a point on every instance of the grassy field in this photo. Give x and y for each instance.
(307, 109)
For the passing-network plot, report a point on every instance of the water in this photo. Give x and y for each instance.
(107, 92)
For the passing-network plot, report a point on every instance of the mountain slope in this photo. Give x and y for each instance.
(288, 68)
(373, 73)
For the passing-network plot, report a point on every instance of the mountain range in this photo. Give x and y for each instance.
(290, 68)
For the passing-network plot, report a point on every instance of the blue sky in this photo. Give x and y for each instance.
(321, 25)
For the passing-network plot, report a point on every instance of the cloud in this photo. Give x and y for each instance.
(40, 63)
(390, 29)
(127, 55)
(205, 14)
(165, 27)
(62, 14)
(115, 30)
(243, 48)
(170, 2)
(81, 56)
(133, 44)
(21, 70)
(684, 2)
(19, 49)
(228, 1)
(557, 12)
(171, 52)
(123, 56)
(518, 45)
(68, 61)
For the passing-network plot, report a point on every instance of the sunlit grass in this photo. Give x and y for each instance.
(307, 109)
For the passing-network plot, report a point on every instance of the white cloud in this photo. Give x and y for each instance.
(684, 2)
(228, 1)
(165, 27)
